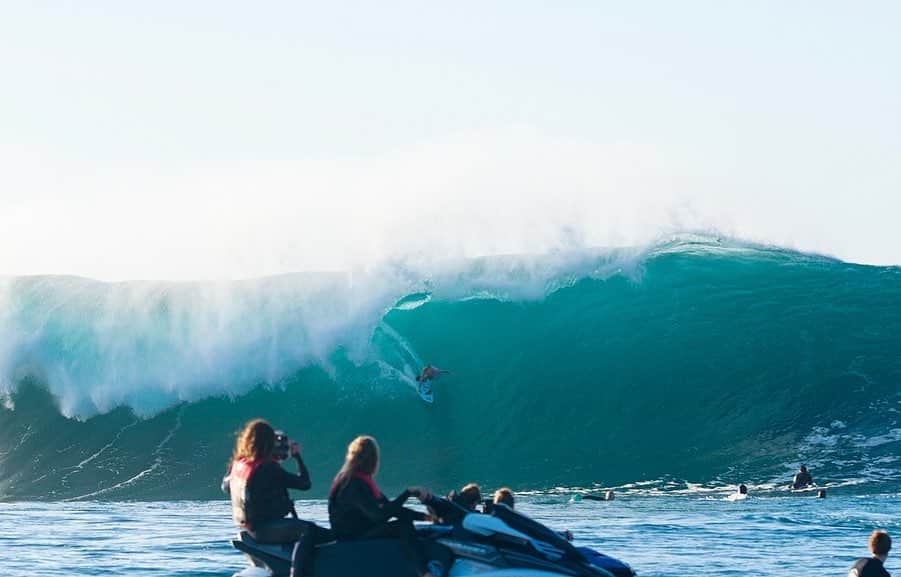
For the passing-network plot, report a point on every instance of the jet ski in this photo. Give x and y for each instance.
(501, 544)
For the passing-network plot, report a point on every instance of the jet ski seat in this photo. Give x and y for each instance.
(362, 558)
(278, 532)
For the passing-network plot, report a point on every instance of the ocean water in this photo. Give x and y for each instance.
(671, 373)
(694, 361)
(664, 535)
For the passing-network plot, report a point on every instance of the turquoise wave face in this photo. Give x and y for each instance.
(691, 362)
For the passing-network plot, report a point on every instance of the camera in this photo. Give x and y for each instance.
(282, 446)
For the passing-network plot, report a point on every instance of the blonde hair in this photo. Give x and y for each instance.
(255, 441)
(362, 457)
(504, 495)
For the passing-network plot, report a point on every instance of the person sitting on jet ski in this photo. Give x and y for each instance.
(801, 479)
(258, 487)
(469, 496)
(505, 496)
(357, 509)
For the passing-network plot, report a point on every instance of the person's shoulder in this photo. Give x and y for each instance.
(270, 468)
(348, 486)
(868, 567)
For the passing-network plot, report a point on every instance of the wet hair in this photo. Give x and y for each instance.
(504, 495)
(362, 457)
(743, 489)
(880, 543)
(470, 496)
(803, 468)
(255, 441)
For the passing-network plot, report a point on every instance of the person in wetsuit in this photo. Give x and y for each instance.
(425, 377)
(258, 487)
(357, 509)
(880, 545)
(801, 479)
(469, 497)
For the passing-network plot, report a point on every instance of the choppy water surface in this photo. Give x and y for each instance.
(661, 535)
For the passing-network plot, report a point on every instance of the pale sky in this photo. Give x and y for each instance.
(180, 140)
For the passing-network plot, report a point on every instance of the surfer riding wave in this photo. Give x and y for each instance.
(425, 377)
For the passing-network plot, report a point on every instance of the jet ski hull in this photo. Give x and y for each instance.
(503, 544)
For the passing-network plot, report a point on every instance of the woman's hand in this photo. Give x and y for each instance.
(294, 448)
(421, 493)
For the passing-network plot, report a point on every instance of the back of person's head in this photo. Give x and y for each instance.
(362, 456)
(255, 441)
(470, 496)
(880, 543)
(743, 489)
(504, 495)
(803, 468)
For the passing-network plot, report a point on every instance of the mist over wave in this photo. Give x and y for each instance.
(148, 345)
(697, 359)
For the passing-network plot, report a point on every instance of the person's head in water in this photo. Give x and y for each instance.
(256, 441)
(743, 489)
(880, 544)
(504, 495)
(469, 496)
(362, 457)
(609, 496)
(803, 469)
(821, 494)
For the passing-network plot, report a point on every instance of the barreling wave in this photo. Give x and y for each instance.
(697, 359)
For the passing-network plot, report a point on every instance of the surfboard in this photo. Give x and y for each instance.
(808, 490)
(425, 393)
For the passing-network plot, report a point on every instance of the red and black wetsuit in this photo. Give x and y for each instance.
(259, 490)
(260, 504)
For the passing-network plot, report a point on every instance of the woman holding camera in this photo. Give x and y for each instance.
(357, 509)
(258, 486)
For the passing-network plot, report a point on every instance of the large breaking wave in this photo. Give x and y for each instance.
(698, 359)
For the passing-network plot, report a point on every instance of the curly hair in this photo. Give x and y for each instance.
(255, 441)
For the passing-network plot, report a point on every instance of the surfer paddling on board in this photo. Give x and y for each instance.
(426, 376)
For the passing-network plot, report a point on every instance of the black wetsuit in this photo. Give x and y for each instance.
(356, 513)
(801, 480)
(868, 567)
(268, 498)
